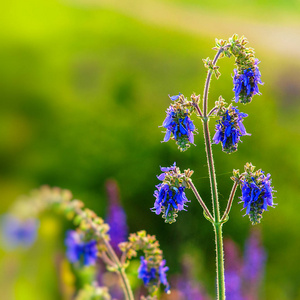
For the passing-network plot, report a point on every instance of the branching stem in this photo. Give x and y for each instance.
(201, 202)
(230, 200)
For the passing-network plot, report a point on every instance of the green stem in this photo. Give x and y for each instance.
(114, 258)
(126, 285)
(230, 200)
(214, 190)
(207, 82)
(217, 224)
(201, 202)
(124, 280)
(220, 261)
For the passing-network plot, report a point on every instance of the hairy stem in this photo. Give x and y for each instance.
(214, 190)
(198, 110)
(212, 111)
(211, 171)
(207, 82)
(230, 200)
(201, 202)
(220, 261)
(217, 224)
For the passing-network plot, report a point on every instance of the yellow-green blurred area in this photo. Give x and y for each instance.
(84, 86)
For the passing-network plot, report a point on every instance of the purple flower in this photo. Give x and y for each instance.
(116, 217)
(246, 83)
(144, 273)
(18, 232)
(150, 275)
(229, 129)
(233, 267)
(78, 250)
(188, 287)
(169, 200)
(180, 126)
(255, 259)
(257, 195)
(170, 195)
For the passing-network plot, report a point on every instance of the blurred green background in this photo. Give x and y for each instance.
(83, 89)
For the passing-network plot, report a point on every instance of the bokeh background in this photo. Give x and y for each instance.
(84, 86)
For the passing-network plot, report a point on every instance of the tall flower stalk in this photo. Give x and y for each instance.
(257, 193)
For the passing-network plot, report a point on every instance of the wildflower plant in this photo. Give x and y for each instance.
(90, 242)
(257, 192)
(93, 239)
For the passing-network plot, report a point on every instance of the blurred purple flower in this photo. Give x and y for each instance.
(78, 250)
(144, 273)
(243, 278)
(18, 232)
(254, 265)
(188, 287)
(116, 217)
(233, 271)
(190, 290)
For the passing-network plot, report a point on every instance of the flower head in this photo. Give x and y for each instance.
(230, 128)
(151, 275)
(78, 249)
(246, 83)
(257, 192)
(17, 232)
(178, 124)
(170, 195)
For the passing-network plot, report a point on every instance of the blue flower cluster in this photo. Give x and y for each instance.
(179, 124)
(18, 232)
(152, 275)
(246, 83)
(229, 129)
(170, 195)
(257, 194)
(78, 250)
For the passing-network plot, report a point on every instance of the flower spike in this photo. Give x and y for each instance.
(257, 192)
(170, 195)
(178, 124)
(230, 128)
(246, 83)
